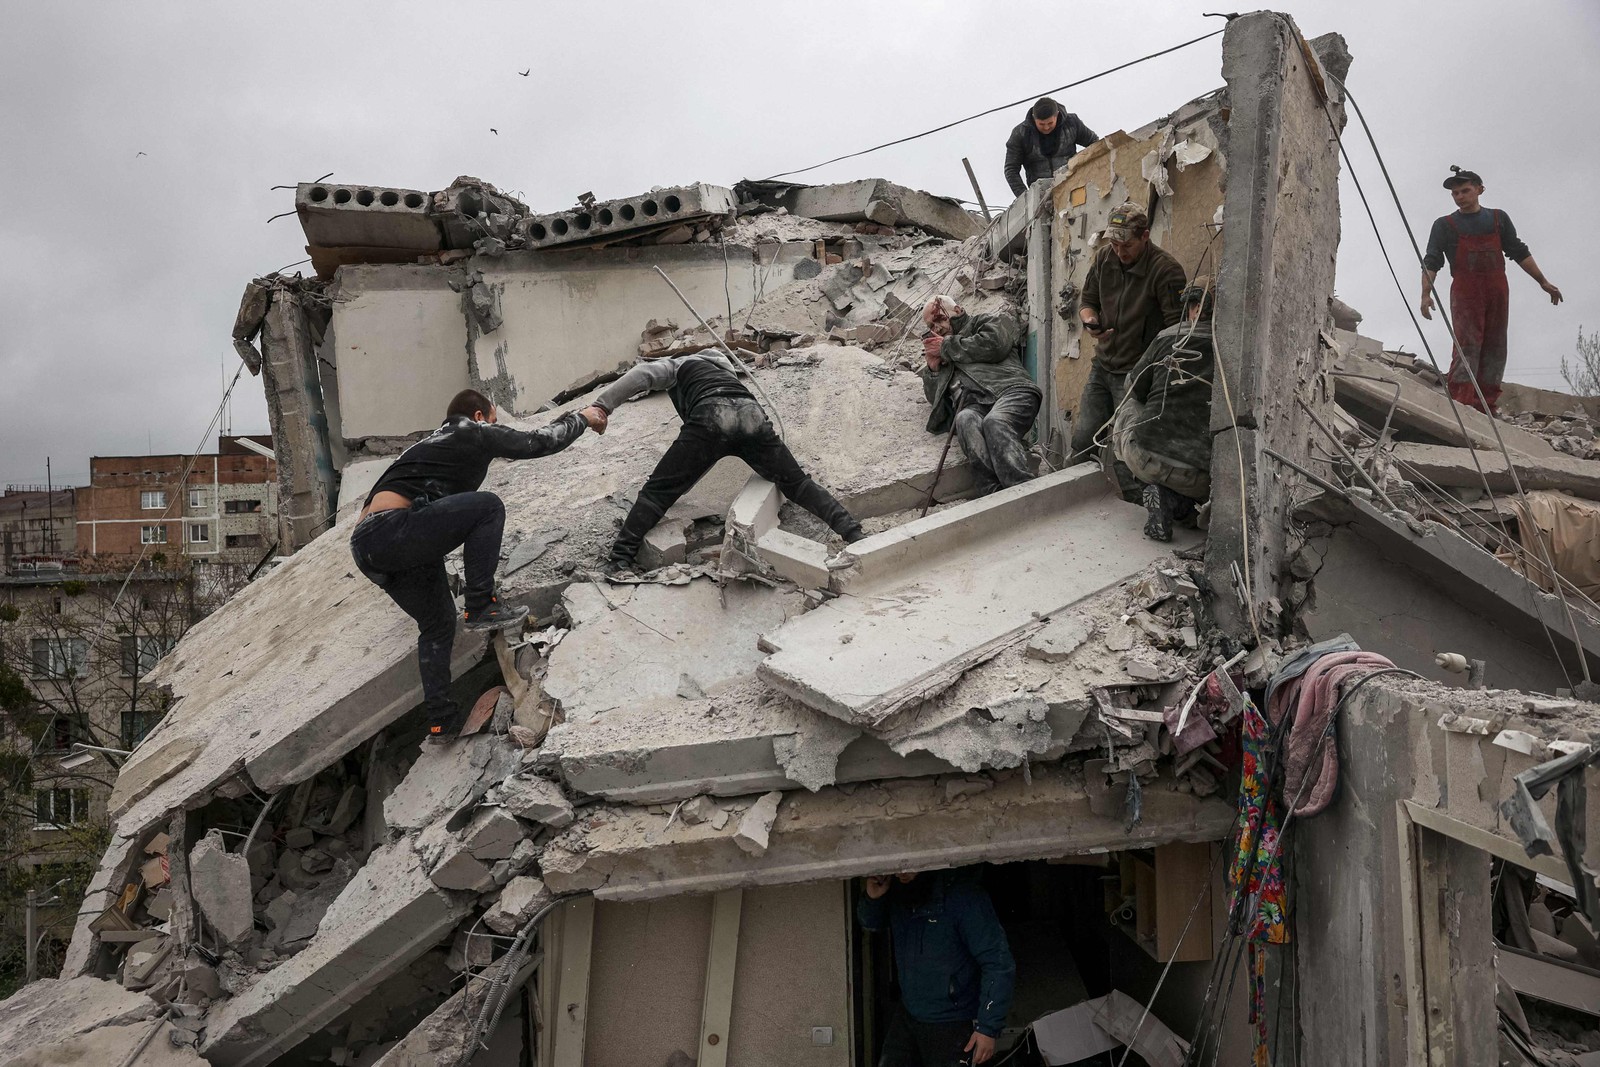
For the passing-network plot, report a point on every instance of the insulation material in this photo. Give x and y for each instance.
(1571, 532)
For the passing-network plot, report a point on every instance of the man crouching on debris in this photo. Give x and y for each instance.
(720, 418)
(1162, 430)
(427, 504)
(976, 383)
(954, 965)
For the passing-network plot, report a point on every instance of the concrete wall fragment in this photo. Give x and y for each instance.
(1281, 214)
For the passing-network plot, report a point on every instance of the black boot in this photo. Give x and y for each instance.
(1158, 526)
(495, 615)
(445, 723)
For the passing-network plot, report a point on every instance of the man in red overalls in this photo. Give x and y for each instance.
(1477, 241)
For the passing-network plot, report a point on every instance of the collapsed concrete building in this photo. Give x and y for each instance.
(648, 853)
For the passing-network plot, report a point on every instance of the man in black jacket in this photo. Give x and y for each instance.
(1042, 143)
(427, 504)
(720, 418)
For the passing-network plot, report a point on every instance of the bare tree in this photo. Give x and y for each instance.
(1583, 373)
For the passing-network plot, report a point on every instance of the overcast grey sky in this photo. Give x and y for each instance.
(121, 273)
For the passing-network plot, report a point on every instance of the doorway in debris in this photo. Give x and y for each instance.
(1079, 928)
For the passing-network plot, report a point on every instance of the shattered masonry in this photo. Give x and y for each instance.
(1013, 678)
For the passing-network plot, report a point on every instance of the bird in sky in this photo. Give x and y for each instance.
(494, 131)
(136, 155)
(525, 73)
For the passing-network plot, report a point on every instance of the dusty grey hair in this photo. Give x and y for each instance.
(947, 304)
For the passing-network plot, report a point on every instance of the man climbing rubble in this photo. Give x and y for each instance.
(953, 961)
(1477, 241)
(978, 387)
(1043, 143)
(1129, 296)
(425, 505)
(720, 418)
(1162, 430)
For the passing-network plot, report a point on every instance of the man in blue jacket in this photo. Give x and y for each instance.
(955, 967)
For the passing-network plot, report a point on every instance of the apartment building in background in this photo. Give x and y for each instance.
(223, 510)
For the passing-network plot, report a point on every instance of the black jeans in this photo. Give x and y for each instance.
(910, 1043)
(1096, 407)
(991, 437)
(716, 428)
(402, 551)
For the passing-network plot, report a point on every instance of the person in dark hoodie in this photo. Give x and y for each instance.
(720, 418)
(1162, 429)
(953, 962)
(425, 505)
(1042, 144)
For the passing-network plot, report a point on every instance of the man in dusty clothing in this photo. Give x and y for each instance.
(975, 378)
(1042, 144)
(427, 504)
(1162, 431)
(720, 418)
(1477, 241)
(1129, 296)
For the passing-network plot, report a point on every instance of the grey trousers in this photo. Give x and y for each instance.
(991, 437)
(1096, 408)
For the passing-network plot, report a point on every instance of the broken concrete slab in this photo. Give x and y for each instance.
(636, 643)
(220, 883)
(1454, 468)
(50, 1010)
(870, 199)
(797, 559)
(627, 853)
(493, 834)
(458, 869)
(519, 901)
(1425, 410)
(112, 1045)
(342, 216)
(755, 828)
(614, 219)
(279, 682)
(930, 600)
(445, 778)
(535, 799)
(387, 916)
(1059, 639)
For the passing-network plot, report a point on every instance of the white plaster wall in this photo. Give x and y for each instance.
(569, 315)
(401, 343)
(399, 346)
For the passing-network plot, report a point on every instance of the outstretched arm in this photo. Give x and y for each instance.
(651, 377)
(505, 442)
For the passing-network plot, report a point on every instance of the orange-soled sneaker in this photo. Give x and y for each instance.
(494, 615)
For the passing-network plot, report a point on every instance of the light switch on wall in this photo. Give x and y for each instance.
(822, 1035)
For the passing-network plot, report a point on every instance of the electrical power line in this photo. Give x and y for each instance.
(1002, 107)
